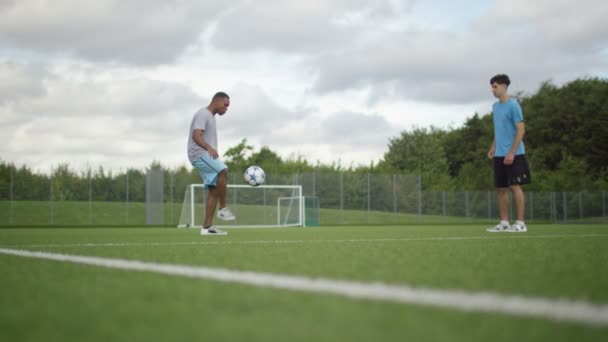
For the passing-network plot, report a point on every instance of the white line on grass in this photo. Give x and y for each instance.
(553, 309)
(253, 242)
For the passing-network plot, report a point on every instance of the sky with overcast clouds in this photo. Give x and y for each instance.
(115, 83)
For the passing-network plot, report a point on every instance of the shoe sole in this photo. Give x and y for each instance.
(492, 230)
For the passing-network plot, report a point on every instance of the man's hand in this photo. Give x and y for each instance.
(491, 152)
(213, 153)
(509, 159)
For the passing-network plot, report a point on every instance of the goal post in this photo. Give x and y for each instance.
(286, 217)
(260, 206)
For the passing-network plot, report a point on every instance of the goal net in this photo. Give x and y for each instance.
(260, 206)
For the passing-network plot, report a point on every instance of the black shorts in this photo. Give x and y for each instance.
(514, 174)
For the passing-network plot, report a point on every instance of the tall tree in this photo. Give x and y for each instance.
(420, 151)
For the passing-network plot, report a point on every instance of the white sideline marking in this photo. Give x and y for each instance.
(553, 309)
(246, 242)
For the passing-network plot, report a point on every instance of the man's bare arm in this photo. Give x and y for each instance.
(197, 136)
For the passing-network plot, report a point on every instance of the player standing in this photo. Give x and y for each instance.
(511, 168)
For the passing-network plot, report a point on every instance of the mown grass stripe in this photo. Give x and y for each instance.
(552, 309)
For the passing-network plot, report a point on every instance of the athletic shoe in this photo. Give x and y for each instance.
(499, 228)
(517, 228)
(225, 214)
(212, 231)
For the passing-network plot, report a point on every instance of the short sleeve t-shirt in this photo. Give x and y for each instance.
(506, 115)
(205, 121)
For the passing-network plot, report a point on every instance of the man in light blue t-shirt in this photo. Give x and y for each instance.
(511, 168)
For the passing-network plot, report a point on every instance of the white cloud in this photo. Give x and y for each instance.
(565, 23)
(359, 131)
(253, 113)
(132, 120)
(16, 82)
(117, 82)
(135, 32)
(531, 41)
(302, 26)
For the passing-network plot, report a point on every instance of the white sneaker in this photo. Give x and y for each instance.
(499, 228)
(225, 214)
(212, 231)
(517, 228)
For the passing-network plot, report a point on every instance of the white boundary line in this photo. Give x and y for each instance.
(253, 242)
(552, 309)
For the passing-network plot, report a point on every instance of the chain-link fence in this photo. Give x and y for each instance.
(344, 198)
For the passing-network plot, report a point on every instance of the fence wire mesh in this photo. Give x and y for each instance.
(93, 198)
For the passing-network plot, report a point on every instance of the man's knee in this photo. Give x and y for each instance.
(222, 179)
(516, 188)
(212, 195)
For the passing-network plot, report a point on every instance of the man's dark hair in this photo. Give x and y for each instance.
(220, 94)
(501, 79)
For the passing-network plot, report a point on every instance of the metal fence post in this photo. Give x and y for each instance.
(394, 198)
(234, 195)
(553, 207)
(531, 200)
(264, 203)
(10, 214)
(489, 206)
(171, 196)
(314, 190)
(604, 203)
(580, 204)
(127, 199)
(341, 197)
(551, 211)
(443, 203)
(466, 203)
(51, 199)
(419, 198)
(368, 198)
(90, 198)
(565, 205)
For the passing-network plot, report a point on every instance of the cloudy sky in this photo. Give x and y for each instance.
(115, 83)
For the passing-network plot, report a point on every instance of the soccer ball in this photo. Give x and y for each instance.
(254, 176)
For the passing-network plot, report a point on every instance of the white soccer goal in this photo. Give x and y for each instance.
(260, 206)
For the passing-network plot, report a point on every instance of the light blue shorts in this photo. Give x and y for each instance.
(209, 168)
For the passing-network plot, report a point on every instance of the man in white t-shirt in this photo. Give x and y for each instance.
(202, 153)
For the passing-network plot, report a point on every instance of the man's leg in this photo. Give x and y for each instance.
(518, 196)
(211, 204)
(503, 203)
(502, 194)
(519, 174)
(222, 182)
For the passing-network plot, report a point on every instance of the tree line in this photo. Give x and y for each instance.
(566, 139)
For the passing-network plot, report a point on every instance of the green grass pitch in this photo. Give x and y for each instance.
(43, 300)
